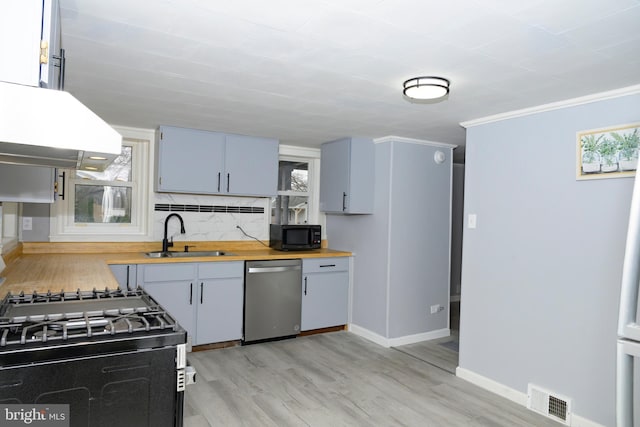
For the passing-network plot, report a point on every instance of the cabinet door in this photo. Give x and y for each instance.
(190, 161)
(29, 184)
(219, 312)
(347, 176)
(50, 69)
(174, 287)
(325, 298)
(125, 274)
(178, 298)
(20, 30)
(220, 301)
(334, 176)
(251, 165)
(325, 292)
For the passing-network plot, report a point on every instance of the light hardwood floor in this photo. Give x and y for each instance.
(337, 379)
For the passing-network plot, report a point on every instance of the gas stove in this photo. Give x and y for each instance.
(40, 319)
(116, 357)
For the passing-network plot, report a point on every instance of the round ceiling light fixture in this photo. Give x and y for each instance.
(428, 87)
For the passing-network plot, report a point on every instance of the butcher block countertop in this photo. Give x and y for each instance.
(42, 267)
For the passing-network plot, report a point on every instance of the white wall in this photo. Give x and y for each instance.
(541, 272)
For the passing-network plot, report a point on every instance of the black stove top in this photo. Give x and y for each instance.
(62, 323)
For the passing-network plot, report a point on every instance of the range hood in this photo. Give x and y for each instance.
(45, 127)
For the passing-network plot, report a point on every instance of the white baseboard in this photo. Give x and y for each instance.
(492, 386)
(514, 395)
(394, 342)
(425, 336)
(367, 334)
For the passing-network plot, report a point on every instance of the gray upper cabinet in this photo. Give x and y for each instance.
(346, 176)
(189, 161)
(34, 49)
(202, 162)
(29, 184)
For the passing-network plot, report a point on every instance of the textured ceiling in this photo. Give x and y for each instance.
(310, 71)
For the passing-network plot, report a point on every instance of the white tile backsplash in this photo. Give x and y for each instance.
(212, 226)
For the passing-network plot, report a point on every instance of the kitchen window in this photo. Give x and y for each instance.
(291, 206)
(110, 205)
(298, 182)
(104, 197)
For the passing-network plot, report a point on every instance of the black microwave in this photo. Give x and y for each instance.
(298, 237)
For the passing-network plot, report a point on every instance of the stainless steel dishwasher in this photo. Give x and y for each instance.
(272, 299)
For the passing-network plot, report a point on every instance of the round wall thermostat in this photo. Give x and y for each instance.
(439, 157)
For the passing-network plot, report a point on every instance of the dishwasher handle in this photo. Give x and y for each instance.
(273, 269)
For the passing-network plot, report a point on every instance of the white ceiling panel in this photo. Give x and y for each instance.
(312, 71)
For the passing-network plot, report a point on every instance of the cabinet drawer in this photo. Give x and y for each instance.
(220, 270)
(325, 265)
(168, 272)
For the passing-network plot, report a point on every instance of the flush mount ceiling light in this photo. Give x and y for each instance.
(428, 87)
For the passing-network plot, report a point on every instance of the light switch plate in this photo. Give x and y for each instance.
(472, 221)
(27, 223)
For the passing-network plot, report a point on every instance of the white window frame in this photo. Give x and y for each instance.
(8, 226)
(63, 226)
(312, 157)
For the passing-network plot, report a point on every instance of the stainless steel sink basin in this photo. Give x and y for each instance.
(191, 254)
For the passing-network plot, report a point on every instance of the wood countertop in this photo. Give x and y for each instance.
(69, 266)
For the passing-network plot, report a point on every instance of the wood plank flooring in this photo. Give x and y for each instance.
(434, 353)
(337, 379)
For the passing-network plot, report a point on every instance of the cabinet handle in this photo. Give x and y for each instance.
(344, 201)
(190, 293)
(305, 285)
(327, 265)
(201, 292)
(56, 187)
(218, 182)
(228, 179)
(128, 267)
(62, 62)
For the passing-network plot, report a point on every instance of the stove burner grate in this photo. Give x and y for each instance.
(58, 317)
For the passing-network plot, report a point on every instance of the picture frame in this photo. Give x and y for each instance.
(610, 152)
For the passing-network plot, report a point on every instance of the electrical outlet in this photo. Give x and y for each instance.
(435, 308)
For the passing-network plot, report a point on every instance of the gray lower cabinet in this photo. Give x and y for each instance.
(325, 292)
(220, 302)
(126, 275)
(205, 298)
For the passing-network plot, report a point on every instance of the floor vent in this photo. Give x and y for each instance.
(549, 404)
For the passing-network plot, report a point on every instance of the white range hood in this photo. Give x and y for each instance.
(46, 127)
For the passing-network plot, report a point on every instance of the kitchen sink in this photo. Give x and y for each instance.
(191, 254)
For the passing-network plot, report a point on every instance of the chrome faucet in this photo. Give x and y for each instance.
(166, 244)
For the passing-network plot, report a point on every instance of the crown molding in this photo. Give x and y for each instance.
(601, 96)
(413, 141)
